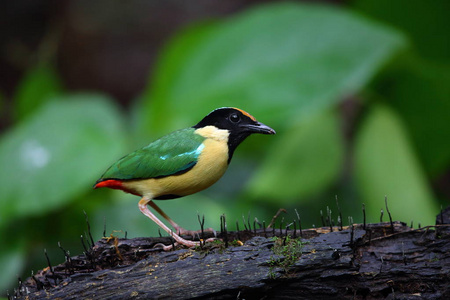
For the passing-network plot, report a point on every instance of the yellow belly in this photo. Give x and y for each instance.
(212, 164)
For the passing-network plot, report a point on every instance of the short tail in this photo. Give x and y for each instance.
(109, 183)
(114, 184)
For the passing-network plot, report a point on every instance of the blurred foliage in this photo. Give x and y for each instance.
(419, 91)
(295, 67)
(385, 164)
(270, 61)
(417, 86)
(302, 148)
(425, 22)
(39, 85)
(52, 156)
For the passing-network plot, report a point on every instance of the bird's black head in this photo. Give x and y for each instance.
(239, 124)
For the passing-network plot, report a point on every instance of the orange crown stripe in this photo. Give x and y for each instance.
(245, 113)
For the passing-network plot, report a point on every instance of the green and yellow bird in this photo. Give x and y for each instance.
(183, 162)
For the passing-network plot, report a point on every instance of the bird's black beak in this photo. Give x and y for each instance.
(258, 127)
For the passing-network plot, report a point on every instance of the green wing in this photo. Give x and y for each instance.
(174, 153)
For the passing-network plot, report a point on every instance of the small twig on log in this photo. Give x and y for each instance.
(276, 216)
(389, 214)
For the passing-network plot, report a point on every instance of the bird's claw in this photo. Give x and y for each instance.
(189, 244)
(165, 247)
(194, 233)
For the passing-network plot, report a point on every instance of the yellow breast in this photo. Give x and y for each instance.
(211, 165)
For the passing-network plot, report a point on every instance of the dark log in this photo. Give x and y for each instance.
(384, 260)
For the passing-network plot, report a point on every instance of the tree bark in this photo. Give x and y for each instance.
(385, 260)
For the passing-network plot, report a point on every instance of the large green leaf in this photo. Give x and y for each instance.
(57, 154)
(386, 165)
(420, 93)
(419, 85)
(307, 158)
(39, 84)
(283, 60)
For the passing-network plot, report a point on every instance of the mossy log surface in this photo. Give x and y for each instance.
(373, 261)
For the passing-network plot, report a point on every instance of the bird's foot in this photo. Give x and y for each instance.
(189, 244)
(194, 233)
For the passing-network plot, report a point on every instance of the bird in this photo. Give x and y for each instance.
(182, 163)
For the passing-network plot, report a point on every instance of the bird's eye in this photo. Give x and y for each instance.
(234, 118)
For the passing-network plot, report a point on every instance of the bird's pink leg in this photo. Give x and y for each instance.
(163, 214)
(179, 230)
(144, 209)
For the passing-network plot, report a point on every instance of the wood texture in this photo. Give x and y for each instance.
(381, 261)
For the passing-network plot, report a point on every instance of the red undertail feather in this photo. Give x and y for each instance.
(110, 183)
(114, 184)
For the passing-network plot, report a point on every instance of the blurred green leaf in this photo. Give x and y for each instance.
(12, 260)
(39, 85)
(420, 93)
(307, 158)
(57, 154)
(385, 164)
(418, 85)
(283, 60)
(173, 56)
(425, 22)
